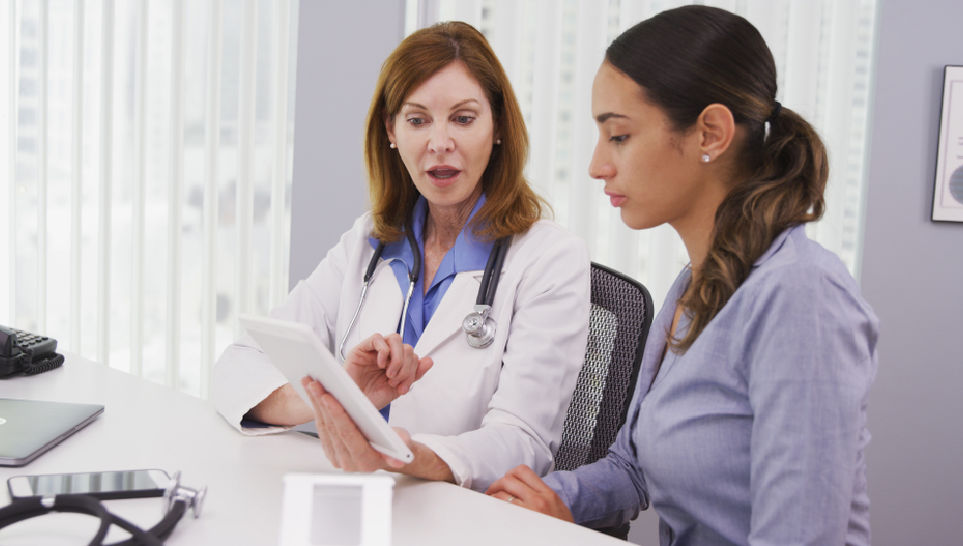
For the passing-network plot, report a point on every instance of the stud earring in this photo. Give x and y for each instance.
(706, 158)
(392, 145)
(498, 141)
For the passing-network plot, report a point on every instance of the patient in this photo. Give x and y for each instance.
(748, 424)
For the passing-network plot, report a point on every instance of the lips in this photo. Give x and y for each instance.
(443, 173)
(616, 199)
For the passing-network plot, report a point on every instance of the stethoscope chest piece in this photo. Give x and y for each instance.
(479, 327)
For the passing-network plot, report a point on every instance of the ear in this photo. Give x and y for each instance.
(716, 128)
(390, 128)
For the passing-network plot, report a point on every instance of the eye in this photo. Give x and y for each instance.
(463, 119)
(618, 139)
(415, 121)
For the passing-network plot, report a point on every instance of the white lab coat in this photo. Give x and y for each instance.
(483, 411)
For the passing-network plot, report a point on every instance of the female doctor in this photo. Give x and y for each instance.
(452, 263)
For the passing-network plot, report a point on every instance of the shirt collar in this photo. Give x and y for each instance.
(468, 254)
(777, 243)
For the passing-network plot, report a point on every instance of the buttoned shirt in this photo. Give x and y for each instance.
(756, 434)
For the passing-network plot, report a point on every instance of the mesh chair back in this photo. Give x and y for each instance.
(618, 325)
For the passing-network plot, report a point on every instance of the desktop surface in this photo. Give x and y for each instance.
(145, 425)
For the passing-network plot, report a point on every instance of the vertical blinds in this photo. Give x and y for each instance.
(147, 163)
(552, 49)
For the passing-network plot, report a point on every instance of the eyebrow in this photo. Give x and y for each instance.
(602, 118)
(455, 107)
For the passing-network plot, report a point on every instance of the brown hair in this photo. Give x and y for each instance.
(511, 205)
(688, 58)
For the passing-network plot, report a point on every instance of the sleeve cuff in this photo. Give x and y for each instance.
(458, 466)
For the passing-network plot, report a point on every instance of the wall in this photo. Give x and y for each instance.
(912, 274)
(338, 62)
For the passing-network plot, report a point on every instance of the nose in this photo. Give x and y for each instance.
(600, 167)
(439, 140)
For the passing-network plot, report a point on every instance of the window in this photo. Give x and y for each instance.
(146, 183)
(551, 50)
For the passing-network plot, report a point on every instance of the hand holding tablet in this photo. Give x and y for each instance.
(296, 351)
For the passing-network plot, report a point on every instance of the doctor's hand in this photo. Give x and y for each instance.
(348, 449)
(385, 367)
(523, 487)
(344, 445)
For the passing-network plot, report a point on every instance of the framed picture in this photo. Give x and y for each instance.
(948, 191)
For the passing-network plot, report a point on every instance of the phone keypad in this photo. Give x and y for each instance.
(31, 343)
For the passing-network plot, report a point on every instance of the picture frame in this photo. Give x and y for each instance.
(948, 186)
(336, 509)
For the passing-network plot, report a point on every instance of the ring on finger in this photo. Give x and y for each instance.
(510, 498)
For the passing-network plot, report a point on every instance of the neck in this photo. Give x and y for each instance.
(697, 242)
(445, 223)
(696, 233)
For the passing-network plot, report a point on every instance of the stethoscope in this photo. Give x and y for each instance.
(177, 500)
(479, 327)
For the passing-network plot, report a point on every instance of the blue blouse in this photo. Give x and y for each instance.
(756, 434)
(468, 254)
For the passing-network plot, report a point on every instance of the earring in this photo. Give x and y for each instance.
(498, 141)
(706, 158)
(392, 145)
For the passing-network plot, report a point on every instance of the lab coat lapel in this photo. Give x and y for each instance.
(458, 301)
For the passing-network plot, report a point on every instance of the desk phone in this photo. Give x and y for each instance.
(23, 352)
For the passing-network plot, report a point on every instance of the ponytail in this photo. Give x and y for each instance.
(786, 189)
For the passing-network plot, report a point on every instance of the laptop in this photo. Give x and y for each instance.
(28, 428)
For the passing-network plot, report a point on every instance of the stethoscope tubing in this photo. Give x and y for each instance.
(413, 274)
(493, 272)
(483, 300)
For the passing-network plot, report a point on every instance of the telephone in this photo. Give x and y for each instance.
(23, 352)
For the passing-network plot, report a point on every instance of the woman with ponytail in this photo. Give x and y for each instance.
(748, 424)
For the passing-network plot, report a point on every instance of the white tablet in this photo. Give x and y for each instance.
(296, 351)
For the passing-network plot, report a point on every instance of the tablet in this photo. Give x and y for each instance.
(296, 351)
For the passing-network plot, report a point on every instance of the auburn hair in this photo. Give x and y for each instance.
(511, 206)
(688, 58)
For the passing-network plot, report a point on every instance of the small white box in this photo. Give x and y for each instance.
(336, 509)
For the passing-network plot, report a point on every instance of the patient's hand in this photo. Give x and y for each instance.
(523, 487)
(385, 367)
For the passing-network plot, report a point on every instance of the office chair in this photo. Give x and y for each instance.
(618, 325)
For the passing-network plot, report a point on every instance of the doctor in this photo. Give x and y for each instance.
(452, 263)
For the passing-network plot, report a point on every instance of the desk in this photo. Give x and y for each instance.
(145, 425)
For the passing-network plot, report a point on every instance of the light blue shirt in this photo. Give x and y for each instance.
(756, 434)
(468, 254)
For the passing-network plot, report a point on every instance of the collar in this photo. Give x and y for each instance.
(468, 254)
(778, 242)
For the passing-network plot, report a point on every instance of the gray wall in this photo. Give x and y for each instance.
(912, 274)
(338, 62)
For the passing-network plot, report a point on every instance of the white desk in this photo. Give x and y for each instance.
(145, 425)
